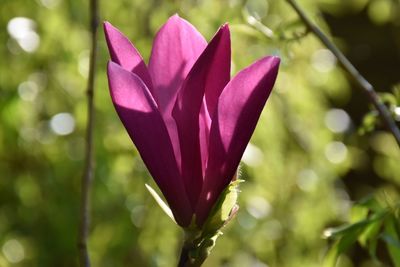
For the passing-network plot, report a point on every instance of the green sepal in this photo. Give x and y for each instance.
(160, 202)
(221, 212)
(200, 241)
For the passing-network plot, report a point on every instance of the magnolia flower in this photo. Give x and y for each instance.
(189, 121)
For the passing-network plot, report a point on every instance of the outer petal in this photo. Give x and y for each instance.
(219, 72)
(138, 112)
(125, 54)
(204, 76)
(176, 47)
(239, 108)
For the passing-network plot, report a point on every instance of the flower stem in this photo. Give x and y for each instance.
(184, 257)
(192, 254)
(84, 260)
(360, 80)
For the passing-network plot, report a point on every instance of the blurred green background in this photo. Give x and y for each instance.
(316, 151)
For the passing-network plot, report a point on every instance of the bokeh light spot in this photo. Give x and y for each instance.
(337, 120)
(307, 180)
(50, 4)
(28, 91)
(23, 31)
(336, 152)
(83, 63)
(253, 156)
(323, 60)
(258, 207)
(62, 124)
(13, 251)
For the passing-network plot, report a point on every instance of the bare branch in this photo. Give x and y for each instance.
(383, 111)
(88, 171)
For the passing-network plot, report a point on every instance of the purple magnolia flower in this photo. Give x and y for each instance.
(189, 121)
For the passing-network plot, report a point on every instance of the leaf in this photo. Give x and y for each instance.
(349, 228)
(369, 122)
(160, 202)
(343, 230)
(358, 213)
(339, 247)
(369, 238)
(389, 99)
(371, 203)
(347, 235)
(391, 239)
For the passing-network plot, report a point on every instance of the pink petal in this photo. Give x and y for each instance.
(219, 72)
(125, 54)
(141, 118)
(176, 47)
(204, 76)
(239, 108)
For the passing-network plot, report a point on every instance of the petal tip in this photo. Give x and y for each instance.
(225, 28)
(225, 25)
(112, 67)
(276, 61)
(107, 26)
(272, 61)
(175, 18)
(224, 32)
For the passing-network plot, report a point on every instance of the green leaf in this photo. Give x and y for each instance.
(160, 202)
(369, 238)
(355, 227)
(344, 230)
(371, 203)
(391, 239)
(339, 247)
(358, 213)
(347, 235)
(369, 122)
(389, 99)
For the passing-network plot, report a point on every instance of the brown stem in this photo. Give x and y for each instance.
(360, 80)
(184, 257)
(190, 246)
(88, 171)
(185, 260)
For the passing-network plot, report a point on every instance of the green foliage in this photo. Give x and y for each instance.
(374, 221)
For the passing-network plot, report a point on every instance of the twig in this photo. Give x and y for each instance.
(360, 80)
(184, 257)
(88, 172)
(193, 253)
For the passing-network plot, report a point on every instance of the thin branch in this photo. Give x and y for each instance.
(360, 80)
(88, 172)
(184, 257)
